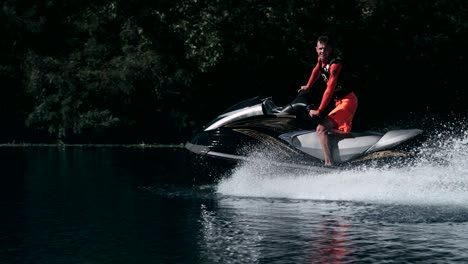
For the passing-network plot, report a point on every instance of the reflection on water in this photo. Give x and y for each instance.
(273, 232)
(223, 239)
(259, 230)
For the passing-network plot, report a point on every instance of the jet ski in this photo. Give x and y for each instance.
(286, 136)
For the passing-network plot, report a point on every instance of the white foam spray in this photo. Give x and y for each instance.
(423, 182)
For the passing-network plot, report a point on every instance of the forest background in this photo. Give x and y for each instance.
(134, 71)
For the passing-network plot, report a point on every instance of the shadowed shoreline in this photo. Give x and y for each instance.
(63, 145)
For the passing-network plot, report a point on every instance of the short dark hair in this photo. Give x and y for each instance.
(327, 40)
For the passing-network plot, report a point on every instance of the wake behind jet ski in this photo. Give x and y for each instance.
(286, 136)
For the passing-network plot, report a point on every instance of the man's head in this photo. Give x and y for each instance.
(324, 48)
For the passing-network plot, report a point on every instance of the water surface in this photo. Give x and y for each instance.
(120, 205)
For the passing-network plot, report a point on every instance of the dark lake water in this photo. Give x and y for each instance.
(122, 205)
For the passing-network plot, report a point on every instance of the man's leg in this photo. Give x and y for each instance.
(322, 131)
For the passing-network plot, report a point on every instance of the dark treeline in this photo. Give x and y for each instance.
(130, 71)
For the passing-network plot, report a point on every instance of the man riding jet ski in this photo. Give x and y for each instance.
(286, 135)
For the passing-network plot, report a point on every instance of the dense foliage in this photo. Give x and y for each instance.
(155, 71)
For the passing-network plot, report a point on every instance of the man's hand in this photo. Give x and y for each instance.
(313, 113)
(303, 89)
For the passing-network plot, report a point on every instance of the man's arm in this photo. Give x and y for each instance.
(313, 77)
(335, 70)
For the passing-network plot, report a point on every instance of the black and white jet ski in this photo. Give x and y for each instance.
(286, 135)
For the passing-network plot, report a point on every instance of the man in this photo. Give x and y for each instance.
(339, 120)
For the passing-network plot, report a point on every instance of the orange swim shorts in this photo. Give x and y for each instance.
(343, 113)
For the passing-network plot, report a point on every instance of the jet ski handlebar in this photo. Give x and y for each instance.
(299, 107)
